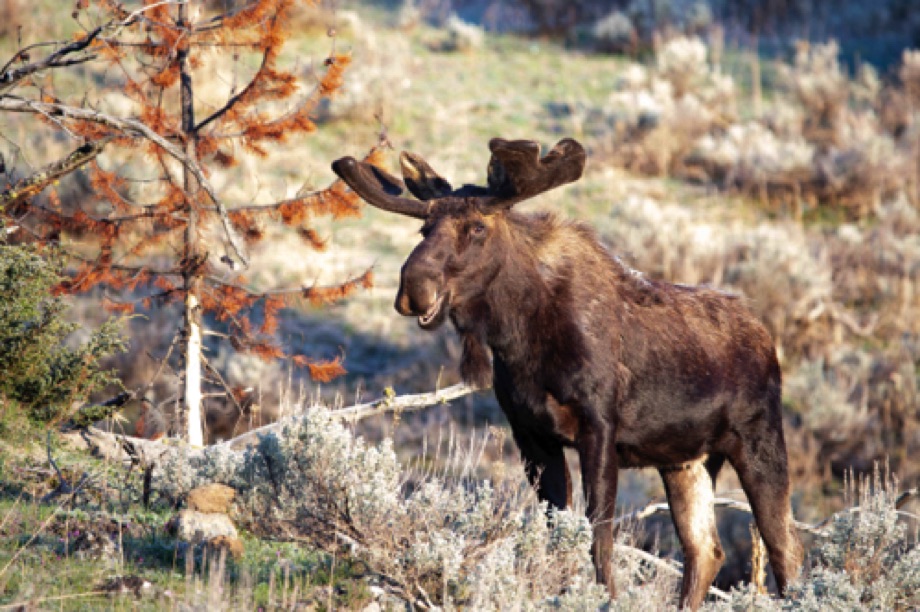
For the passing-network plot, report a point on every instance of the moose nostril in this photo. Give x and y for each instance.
(402, 305)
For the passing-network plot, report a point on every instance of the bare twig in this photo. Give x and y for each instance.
(672, 567)
(35, 183)
(64, 487)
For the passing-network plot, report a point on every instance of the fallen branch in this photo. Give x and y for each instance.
(129, 449)
(390, 402)
(672, 567)
(817, 529)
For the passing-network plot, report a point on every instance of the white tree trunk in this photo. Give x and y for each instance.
(193, 253)
(193, 371)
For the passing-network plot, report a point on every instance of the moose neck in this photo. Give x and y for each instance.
(529, 304)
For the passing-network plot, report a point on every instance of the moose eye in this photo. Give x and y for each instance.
(478, 229)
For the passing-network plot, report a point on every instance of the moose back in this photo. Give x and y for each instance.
(584, 352)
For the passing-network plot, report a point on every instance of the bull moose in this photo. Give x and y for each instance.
(584, 352)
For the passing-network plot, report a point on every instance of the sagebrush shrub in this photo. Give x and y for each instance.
(450, 541)
(866, 560)
(462, 542)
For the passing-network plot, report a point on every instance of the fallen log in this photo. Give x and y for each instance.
(129, 449)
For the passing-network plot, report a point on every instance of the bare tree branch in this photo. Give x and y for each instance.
(235, 98)
(304, 290)
(135, 128)
(70, 54)
(10, 77)
(34, 184)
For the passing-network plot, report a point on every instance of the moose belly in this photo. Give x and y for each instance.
(630, 456)
(670, 441)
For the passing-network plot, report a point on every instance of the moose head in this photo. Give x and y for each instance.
(464, 230)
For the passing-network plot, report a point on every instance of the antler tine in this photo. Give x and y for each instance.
(421, 179)
(516, 171)
(377, 187)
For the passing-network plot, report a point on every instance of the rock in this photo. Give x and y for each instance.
(233, 545)
(193, 526)
(211, 498)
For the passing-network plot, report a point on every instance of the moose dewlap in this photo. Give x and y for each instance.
(584, 352)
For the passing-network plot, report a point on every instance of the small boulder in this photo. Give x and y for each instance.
(193, 526)
(212, 497)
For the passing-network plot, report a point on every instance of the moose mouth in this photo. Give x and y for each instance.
(435, 315)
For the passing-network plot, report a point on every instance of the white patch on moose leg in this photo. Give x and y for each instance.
(691, 497)
(700, 501)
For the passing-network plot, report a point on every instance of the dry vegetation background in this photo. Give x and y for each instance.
(792, 178)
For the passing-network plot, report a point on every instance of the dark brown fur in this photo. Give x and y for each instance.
(584, 352)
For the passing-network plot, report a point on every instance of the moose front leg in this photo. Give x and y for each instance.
(599, 473)
(548, 473)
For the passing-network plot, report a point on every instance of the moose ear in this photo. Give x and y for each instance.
(516, 171)
(421, 179)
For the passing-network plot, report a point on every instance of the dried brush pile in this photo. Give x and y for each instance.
(826, 139)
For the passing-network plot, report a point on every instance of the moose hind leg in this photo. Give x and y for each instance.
(762, 469)
(690, 496)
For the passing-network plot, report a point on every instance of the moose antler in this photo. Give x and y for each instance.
(421, 179)
(516, 173)
(378, 187)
